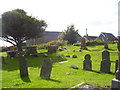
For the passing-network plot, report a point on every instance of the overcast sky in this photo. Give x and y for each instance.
(95, 15)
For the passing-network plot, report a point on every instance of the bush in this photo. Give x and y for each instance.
(57, 42)
(93, 43)
(76, 44)
(3, 49)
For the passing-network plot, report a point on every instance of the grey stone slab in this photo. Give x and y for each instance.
(46, 69)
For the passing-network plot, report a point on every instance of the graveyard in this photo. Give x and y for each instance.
(68, 68)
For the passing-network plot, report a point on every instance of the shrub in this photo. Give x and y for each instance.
(93, 43)
(76, 44)
(3, 49)
(56, 42)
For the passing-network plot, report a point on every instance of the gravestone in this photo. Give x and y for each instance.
(67, 55)
(46, 69)
(52, 48)
(74, 66)
(106, 55)
(74, 56)
(87, 63)
(31, 51)
(2, 60)
(83, 44)
(105, 66)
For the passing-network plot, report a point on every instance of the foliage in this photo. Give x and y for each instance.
(56, 42)
(17, 25)
(3, 49)
(76, 44)
(70, 35)
(93, 43)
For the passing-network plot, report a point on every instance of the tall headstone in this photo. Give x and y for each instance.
(83, 44)
(105, 66)
(87, 63)
(106, 55)
(46, 69)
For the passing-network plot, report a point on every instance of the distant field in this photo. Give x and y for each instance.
(62, 76)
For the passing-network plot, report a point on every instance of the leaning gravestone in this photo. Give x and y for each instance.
(87, 63)
(105, 66)
(106, 55)
(46, 69)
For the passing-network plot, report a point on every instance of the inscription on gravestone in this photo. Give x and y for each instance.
(46, 69)
(87, 63)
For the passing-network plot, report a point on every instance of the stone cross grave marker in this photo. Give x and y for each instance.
(87, 63)
(106, 55)
(83, 44)
(46, 69)
(105, 66)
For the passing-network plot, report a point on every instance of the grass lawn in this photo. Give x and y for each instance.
(62, 76)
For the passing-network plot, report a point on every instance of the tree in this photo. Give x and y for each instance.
(70, 35)
(17, 27)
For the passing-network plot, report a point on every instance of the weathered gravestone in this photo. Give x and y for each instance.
(2, 60)
(31, 51)
(74, 56)
(106, 55)
(87, 63)
(46, 69)
(83, 44)
(52, 48)
(105, 66)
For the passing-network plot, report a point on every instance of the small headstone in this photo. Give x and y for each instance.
(46, 55)
(31, 51)
(105, 66)
(67, 55)
(2, 60)
(46, 69)
(106, 55)
(87, 63)
(74, 56)
(60, 49)
(59, 56)
(52, 48)
(63, 61)
(74, 66)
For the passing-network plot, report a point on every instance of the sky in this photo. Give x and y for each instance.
(95, 15)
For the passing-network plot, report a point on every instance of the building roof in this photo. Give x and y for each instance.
(108, 36)
(91, 37)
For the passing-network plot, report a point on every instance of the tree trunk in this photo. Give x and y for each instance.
(22, 61)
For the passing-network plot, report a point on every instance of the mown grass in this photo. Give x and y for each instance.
(62, 76)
